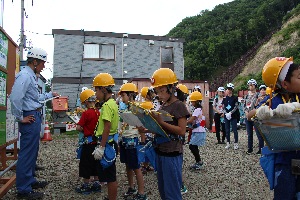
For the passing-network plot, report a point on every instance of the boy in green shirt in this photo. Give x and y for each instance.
(106, 129)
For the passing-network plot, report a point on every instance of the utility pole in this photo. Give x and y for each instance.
(22, 42)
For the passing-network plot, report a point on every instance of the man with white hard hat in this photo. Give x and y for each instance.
(25, 102)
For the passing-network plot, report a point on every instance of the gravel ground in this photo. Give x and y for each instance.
(227, 174)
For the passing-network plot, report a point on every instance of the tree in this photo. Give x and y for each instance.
(48, 89)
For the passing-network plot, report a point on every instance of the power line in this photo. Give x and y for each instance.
(38, 33)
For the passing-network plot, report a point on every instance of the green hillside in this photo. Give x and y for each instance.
(285, 42)
(217, 39)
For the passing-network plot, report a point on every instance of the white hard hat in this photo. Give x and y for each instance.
(37, 53)
(252, 82)
(221, 89)
(83, 88)
(262, 86)
(230, 85)
(197, 87)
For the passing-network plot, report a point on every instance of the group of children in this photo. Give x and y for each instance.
(170, 96)
(105, 132)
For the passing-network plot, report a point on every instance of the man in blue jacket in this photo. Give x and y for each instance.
(25, 101)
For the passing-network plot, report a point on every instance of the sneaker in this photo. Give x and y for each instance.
(149, 168)
(183, 189)
(227, 146)
(144, 171)
(197, 166)
(96, 186)
(30, 195)
(138, 197)
(259, 152)
(236, 146)
(103, 183)
(219, 142)
(130, 192)
(249, 151)
(85, 188)
(39, 184)
(39, 168)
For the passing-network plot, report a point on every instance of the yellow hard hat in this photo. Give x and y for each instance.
(183, 88)
(128, 87)
(272, 70)
(103, 79)
(86, 94)
(268, 91)
(195, 96)
(147, 105)
(144, 91)
(163, 76)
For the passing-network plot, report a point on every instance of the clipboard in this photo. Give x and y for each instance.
(164, 115)
(148, 121)
(74, 117)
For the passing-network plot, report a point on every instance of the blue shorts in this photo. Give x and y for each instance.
(129, 157)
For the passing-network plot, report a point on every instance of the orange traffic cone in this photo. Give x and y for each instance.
(213, 127)
(47, 134)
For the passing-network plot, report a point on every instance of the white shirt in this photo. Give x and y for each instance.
(199, 118)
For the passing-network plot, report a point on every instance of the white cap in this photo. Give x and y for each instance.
(83, 88)
(262, 86)
(221, 89)
(230, 85)
(252, 82)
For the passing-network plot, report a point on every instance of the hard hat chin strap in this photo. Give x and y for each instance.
(35, 65)
(131, 96)
(106, 90)
(171, 89)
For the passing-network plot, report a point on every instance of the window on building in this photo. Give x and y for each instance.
(99, 51)
(167, 55)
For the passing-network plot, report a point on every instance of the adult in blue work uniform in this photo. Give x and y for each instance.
(25, 101)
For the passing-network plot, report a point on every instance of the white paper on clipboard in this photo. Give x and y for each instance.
(131, 119)
(74, 118)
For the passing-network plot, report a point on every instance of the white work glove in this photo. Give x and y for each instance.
(98, 153)
(297, 105)
(228, 116)
(285, 110)
(264, 112)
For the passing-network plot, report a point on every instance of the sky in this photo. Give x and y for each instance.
(155, 17)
